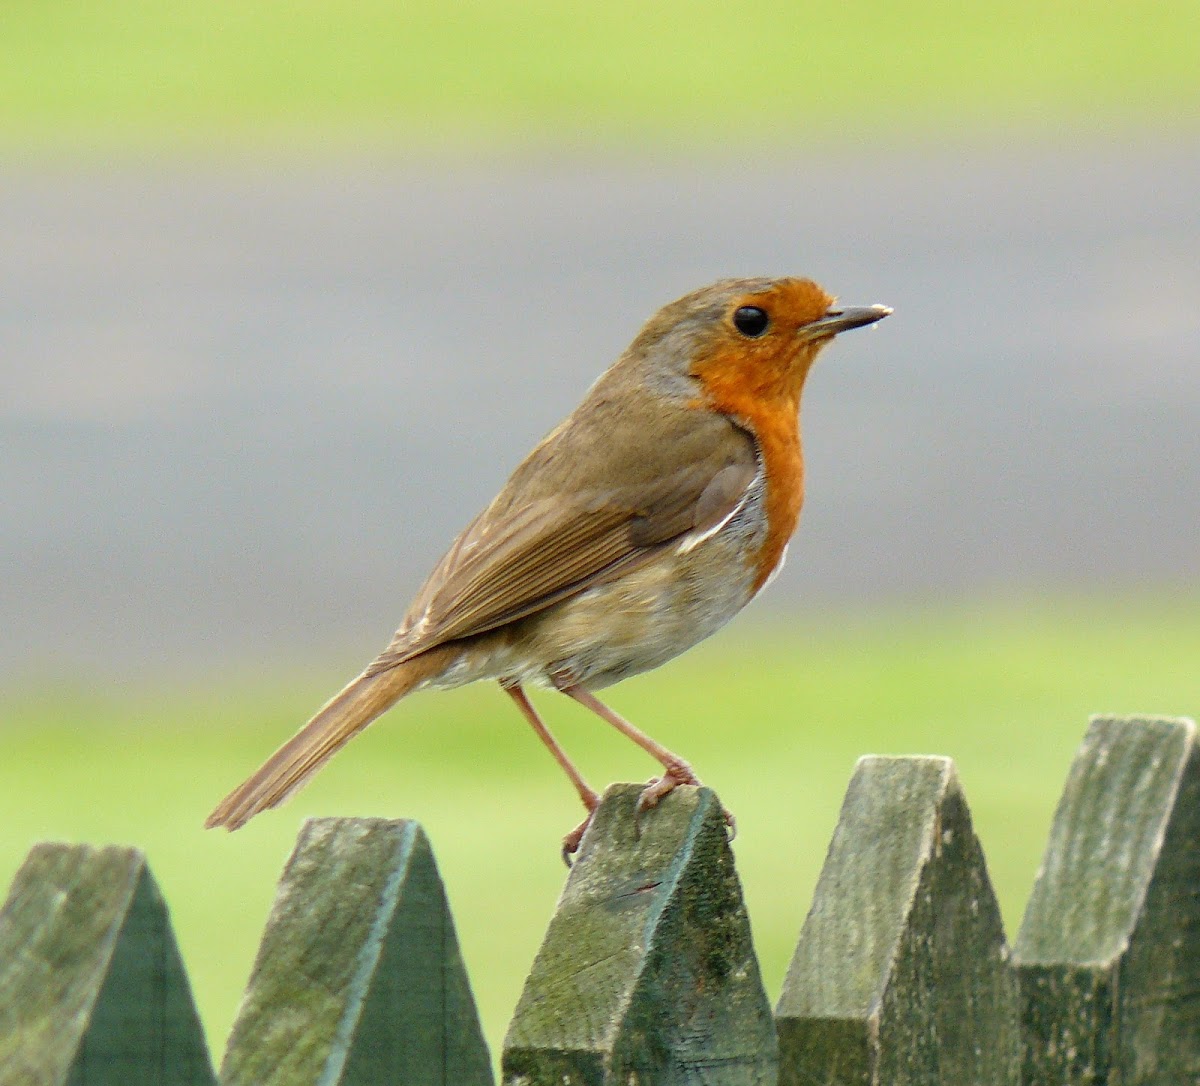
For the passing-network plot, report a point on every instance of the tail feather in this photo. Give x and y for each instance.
(335, 724)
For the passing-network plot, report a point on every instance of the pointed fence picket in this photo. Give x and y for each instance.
(647, 974)
(1108, 955)
(647, 965)
(901, 973)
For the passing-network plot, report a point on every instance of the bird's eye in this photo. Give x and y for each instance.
(750, 320)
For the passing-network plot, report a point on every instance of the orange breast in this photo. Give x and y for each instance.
(783, 464)
(773, 416)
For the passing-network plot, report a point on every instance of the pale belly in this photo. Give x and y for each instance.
(633, 624)
(642, 621)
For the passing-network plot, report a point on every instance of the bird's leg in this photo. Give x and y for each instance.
(676, 770)
(587, 794)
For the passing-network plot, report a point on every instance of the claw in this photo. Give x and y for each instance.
(571, 841)
(657, 787)
(676, 773)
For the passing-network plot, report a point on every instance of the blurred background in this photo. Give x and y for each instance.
(287, 290)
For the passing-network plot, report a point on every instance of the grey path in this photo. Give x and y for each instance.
(242, 408)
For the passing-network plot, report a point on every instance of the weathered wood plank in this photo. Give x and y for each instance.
(92, 989)
(900, 975)
(647, 974)
(1108, 956)
(359, 980)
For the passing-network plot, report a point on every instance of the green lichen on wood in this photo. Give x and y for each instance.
(647, 973)
(1108, 956)
(900, 974)
(92, 988)
(359, 979)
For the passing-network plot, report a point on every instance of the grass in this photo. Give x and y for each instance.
(413, 77)
(774, 717)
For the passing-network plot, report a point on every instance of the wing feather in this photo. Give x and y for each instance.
(552, 532)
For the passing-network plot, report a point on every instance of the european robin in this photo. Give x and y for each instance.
(641, 525)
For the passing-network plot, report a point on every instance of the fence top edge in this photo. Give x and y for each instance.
(1109, 830)
(1187, 723)
(86, 849)
(943, 760)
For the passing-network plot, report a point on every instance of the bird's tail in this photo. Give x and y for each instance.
(341, 718)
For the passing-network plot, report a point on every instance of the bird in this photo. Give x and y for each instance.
(639, 526)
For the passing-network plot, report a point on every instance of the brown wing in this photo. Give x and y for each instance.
(581, 508)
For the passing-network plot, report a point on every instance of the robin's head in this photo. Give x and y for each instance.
(755, 337)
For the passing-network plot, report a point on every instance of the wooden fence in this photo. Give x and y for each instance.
(647, 974)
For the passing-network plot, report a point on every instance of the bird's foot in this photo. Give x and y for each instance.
(570, 843)
(677, 773)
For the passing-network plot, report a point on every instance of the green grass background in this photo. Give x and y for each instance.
(773, 716)
(498, 73)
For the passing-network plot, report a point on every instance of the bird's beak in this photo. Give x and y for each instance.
(842, 318)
